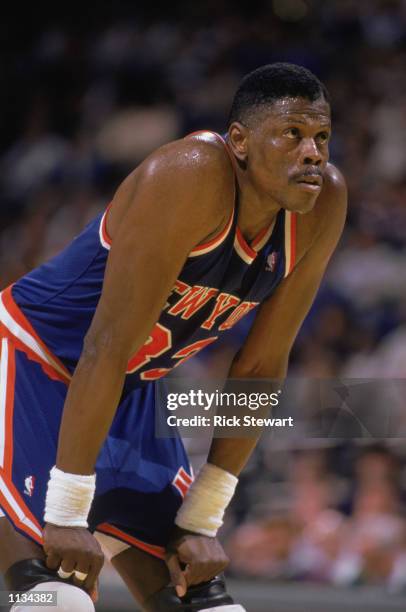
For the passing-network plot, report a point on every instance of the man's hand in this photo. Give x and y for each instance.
(193, 558)
(74, 549)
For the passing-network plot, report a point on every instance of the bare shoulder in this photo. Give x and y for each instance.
(202, 150)
(196, 163)
(192, 176)
(333, 198)
(331, 205)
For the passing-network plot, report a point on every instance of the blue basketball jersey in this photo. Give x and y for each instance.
(220, 283)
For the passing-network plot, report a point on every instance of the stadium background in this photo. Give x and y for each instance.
(86, 95)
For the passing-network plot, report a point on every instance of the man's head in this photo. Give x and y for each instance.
(279, 130)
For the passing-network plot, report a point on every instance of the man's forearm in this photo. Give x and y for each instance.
(232, 454)
(91, 402)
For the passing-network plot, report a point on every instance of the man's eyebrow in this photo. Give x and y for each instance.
(291, 119)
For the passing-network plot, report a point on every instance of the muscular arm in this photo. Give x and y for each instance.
(266, 351)
(172, 204)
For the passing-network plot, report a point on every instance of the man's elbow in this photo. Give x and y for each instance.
(103, 345)
(256, 366)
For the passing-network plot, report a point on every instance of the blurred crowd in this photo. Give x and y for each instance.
(333, 515)
(87, 97)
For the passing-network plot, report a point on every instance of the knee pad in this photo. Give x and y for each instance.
(209, 596)
(69, 598)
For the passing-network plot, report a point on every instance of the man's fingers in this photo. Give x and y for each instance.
(94, 593)
(53, 561)
(68, 565)
(74, 552)
(66, 568)
(202, 571)
(191, 573)
(81, 573)
(201, 557)
(195, 573)
(177, 576)
(90, 583)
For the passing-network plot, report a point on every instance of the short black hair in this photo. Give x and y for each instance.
(272, 82)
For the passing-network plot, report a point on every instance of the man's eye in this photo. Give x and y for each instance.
(323, 137)
(292, 133)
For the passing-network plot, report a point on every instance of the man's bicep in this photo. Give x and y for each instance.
(148, 250)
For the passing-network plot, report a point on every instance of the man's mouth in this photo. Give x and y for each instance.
(310, 182)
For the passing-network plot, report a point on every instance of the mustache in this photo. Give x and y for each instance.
(310, 171)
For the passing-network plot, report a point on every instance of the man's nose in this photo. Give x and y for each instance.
(310, 153)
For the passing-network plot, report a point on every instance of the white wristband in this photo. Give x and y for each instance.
(68, 499)
(206, 501)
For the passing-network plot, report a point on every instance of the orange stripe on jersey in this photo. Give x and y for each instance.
(17, 327)
(262, 238)
(9, 408)
(10, 499)
(181, 486)
(259, 236)
(243, 249)
(152, 549)
(182, 481)
(50, 371)
(290, 241)
(248, 252)
(103, 233)
(201, 249)
(19, 519)
(183, 474)
(210, 245)
(293, 241)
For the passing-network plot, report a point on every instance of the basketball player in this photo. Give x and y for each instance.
(202, 232)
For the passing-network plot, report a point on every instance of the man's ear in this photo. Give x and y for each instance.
(238, 141)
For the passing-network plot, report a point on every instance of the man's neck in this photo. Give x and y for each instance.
(254, 212)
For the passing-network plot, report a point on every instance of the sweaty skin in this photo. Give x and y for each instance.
(189, 185)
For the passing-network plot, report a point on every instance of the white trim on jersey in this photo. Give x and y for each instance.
(288, 236)
(103, 242)
(3, 398)
(25, 337)
(241, 252)
(3, 486)
(16, 508)
(257, 246)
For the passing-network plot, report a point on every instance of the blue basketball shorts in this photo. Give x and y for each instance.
(140, 479)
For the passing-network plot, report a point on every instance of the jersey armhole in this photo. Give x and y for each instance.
(105, 239)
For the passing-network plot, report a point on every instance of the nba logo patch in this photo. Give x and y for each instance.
(29, 484)
(271, 261)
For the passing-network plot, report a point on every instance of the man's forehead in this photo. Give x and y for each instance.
(300, 108)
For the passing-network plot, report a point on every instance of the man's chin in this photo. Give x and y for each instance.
(302, 207)
(301, 197)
